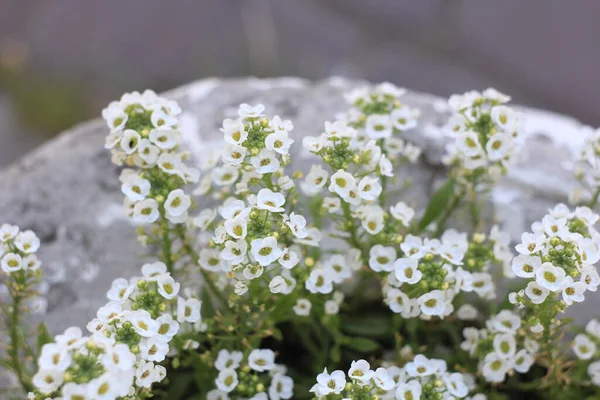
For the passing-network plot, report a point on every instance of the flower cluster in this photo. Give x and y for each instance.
(558, 257)
(432, 272)
(253, 376)
(587, 168)
(586, 347)
(143, 134)
(484, 131)
(499, 347)
(422, 378)
(129, 337)
(17, 251)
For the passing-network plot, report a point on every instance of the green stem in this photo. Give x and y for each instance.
(448, 213)
(594, 201)
(166, 245)
(14, 350)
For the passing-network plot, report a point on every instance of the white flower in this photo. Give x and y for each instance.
(8, 232)
(398, 301)
(234, 154)
(531, 243)
(314, 143)
(164, 139)
(550, 277)
(505, 345)
(404, 118)
(525, 266)
(523, 361)
(455, 383)
(177, 202)
(536, 293)
(339, 129)
(170, 163)
(593, 328)
(167, 287)
(226, 359)
(188, 310)
(227, 380)
(495, 367)
(573, 291)
(282, 387)
(378, 126)
(279, 285)
(136, 188)
(234, 132)
(279, 142)
(467, 312)
(468, 143)
(383, 380)
(314, 181)
(248, 111)
(154, 349)
(433, 303)
(361, 371)
(146, 211)
(27, 242)
(409, 390)
(331, 307)
(162, 120)
(143, 323)
(148, 152)
(145, 374)
(505, 117)
(381, 258)
(261, 360)
(406, 270)
(11, 262)
(421, 366)
(265, 162)
(266, 250)
(289, 259)
(583, 347)
(167, 327)
(302, 307)
(269, 200)
(385, 166)
(48, 380)
(204, 218)
(54, 356)
(210, 260)
(237, 227)
(129, 141)
(594, 372)
(402, 213)
(234, 252)
(471, 336)
(342, 183)
(498, 146)
(330, 383)
(319, 281)
(369, 188)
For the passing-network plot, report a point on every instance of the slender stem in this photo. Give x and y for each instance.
(448, 213)
(14, 338)
(594, 201)
(166, 245)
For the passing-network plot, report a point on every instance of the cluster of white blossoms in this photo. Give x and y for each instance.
(586, 347)
(499, 346)
(485, 133)
(143, 134)
(129, 337)
(559, 258)
(17, 250)
(429, 275)
(587, 168)
(421, 378)
(256, 149)
(255, 376)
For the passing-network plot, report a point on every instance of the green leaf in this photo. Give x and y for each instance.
(373, 326)
(361, 344)
(179, 384)
(43, 336)
(438, 203)
(335, 354)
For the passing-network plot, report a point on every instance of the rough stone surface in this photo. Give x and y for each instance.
(68, 190)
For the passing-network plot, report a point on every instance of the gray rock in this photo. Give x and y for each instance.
(68, 190)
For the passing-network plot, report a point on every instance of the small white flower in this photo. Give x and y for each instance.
(269, 200)
(188, 310)
(583, 347)
(48, 380)
(385, 166)
(339, 129)
(494, 367)
(369, 188)
(265, 251)
(342, 183)
(120, 290)
(531, 243)
(505, 345)
(525, 266)
(136, 188)
(248, 111)
(378, 126)
(409, 390)
(550, 277)
(302, 307)
(11, 262)
(573, 291)
(279, 285)
(227, 380)
(330, 383)
(498, 146)
(314, 143)
(468, 143)
(130, 141)
(402, 213)
(523, 361)
(160, 119)
(237, 227)
(154, 349)
(383, 380)
(421, 366)
(167, 327)
(226, 359)
(398, 301)
(146, 211)
(433, 303)
(143, 323)
(289, 259)
(234, 154)
(148, 152)
(8, 232)
(279, 142)
(234, 132)
(456, 385)
(467, 312)
(361, 371)
(382, 258)
(406, 270)
(167, 287)
(165, 139)
(404, 118)
(536, 293)
(265, 162)
(314, 181)
(177, 202)
(54, 356)
(261, 360)
(471, 336)
(27, 242)
(319, 281)
(170, 163)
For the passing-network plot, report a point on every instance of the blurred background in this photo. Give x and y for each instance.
(62, 61)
